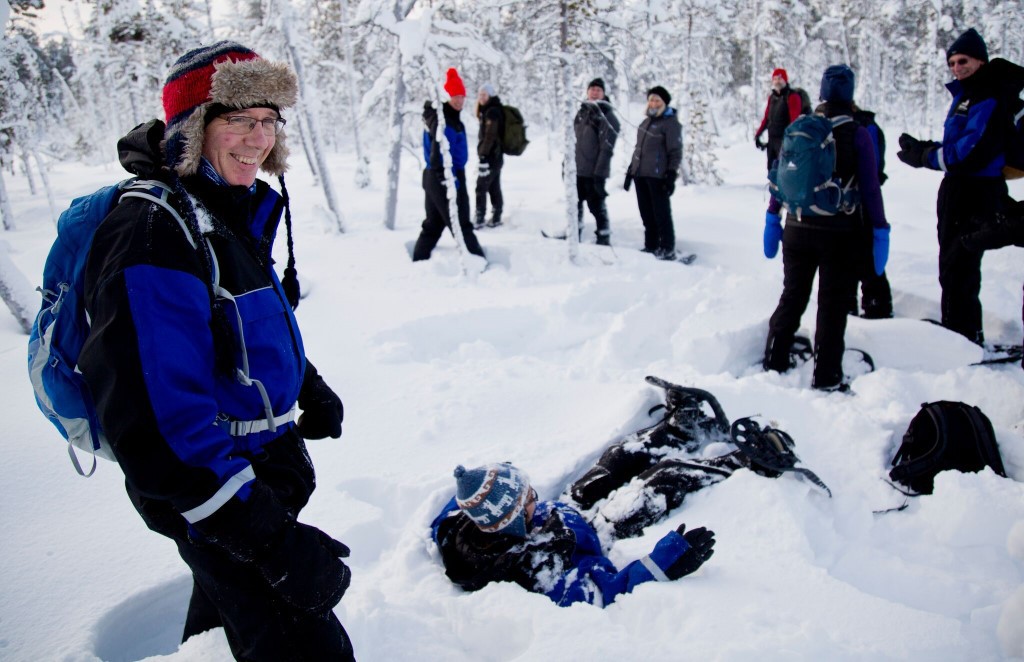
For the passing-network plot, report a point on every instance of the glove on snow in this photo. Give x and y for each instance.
(772, 234)
(670, 181)
(880, 248)
(915, 152)
(322, 410)
(701, 542)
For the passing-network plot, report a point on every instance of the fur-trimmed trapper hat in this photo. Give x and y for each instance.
(224, 75)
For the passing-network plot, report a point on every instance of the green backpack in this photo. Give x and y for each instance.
(513, 135)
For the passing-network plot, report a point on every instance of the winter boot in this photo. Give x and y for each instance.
(479, 221)
(604, 238)
(666, 254)
(495, 218)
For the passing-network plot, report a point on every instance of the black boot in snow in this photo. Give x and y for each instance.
(479, 221)
(495, 219)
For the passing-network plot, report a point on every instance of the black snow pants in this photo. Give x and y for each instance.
(656, 212)
(833, 256)
(657, 460)
(591, 190)
(875, 292)
(489, 186)
(961, 200)
(229, 593)
(438, 218)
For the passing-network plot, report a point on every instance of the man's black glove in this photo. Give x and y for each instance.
(915, 152)
(300, 563)
(702, 543)
(759, 144)
(670, 181)
(322, 411)
(629, 182)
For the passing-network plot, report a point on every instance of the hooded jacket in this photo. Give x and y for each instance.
(163, 354)
(597, 129)
(659, 146)
(492, 121)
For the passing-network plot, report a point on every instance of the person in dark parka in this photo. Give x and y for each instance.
(434, 187)
(876, 293)
(654, 168)
(489, 152)
(201, 417)
(597, 129)
(826, 245)
(972, 155)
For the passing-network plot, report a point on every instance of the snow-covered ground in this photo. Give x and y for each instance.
(542, 362)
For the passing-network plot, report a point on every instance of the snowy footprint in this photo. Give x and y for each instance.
(146, 624)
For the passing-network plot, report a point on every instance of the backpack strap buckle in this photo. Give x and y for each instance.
(242, 428)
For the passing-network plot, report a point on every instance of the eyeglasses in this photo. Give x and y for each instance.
(959, 62)
(243, 124)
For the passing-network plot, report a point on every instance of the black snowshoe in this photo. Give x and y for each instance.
(769, 451)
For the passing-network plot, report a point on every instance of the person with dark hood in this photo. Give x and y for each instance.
(596, 128)
(783, 107)
(972, 156)
(496, 530)
(434, 185)
(489, 152)
(199, 416)
(655, 168)
(827, 245)
(875, 291)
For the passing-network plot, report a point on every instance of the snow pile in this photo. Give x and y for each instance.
(542, 363)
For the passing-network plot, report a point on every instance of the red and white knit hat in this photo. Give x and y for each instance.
(226, 74)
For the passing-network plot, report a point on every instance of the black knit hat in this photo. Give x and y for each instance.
(597, 82)
(969, 43)
(661, 92)
(837, 84)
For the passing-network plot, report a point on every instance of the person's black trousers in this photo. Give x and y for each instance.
(438, 219)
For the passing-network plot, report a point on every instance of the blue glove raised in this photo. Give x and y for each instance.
(772, 234)
(880, 248)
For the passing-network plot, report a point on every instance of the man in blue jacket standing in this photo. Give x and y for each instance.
(495, 530)
(438, 214)
(972, 156)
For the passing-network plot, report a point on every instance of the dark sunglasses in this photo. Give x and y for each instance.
(958, 62)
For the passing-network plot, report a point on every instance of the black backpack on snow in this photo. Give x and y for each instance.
(945, 435)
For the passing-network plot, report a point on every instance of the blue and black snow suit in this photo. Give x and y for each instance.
(196, 388)
(972, 155)
(561, 556)
(438, 216)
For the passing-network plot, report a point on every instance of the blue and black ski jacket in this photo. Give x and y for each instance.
(173, 367)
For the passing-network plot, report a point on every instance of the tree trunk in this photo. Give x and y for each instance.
(314, 132)
(572, 232)
(5, 205)
(362, 175)
(45, 177)
(16, 291)
(395, 154)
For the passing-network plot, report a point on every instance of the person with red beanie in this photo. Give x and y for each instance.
(784, 105)
(434, 186)
(200, 416)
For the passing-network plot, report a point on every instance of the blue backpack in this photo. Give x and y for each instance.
(62, 325)
(804, 176)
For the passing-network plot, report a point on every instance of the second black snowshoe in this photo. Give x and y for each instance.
(770, 451)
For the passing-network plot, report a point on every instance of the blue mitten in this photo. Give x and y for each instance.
(772, 234)
(880, 248)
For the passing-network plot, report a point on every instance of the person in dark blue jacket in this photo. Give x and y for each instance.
(197, 367)
(494, 529)
(827, 245)
(434, 186)
(972, 154)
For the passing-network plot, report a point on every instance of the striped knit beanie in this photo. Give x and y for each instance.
(494, 497)
(229, 75)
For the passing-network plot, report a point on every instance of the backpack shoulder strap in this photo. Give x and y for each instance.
(158, 193)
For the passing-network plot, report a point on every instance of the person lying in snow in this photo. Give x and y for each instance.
(494, 529)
